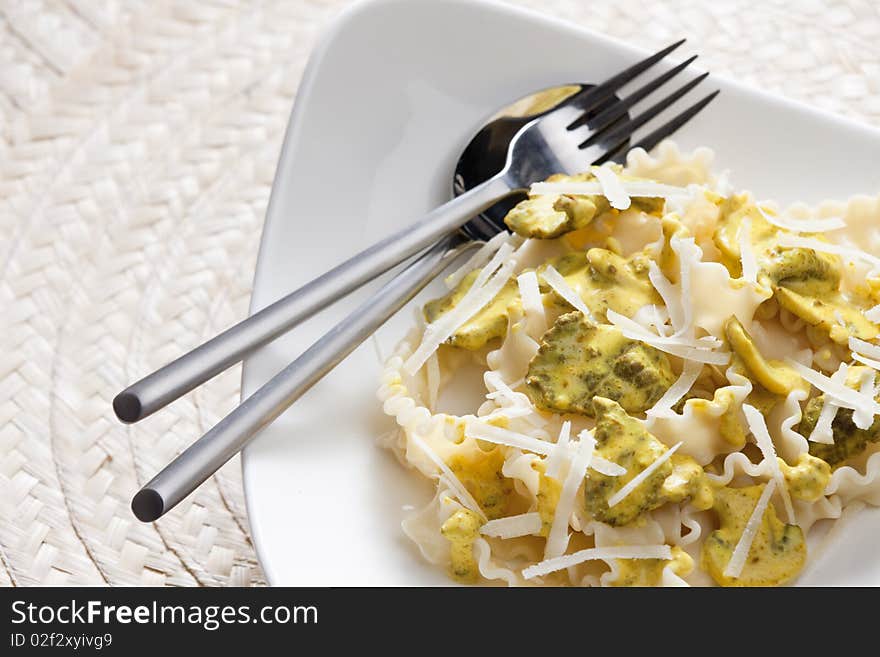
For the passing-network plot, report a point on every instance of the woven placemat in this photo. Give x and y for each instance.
(138, 142)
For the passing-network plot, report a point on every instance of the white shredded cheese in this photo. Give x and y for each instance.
(870, 362)
(432, 375)
(864, 348)
(524, 524)
(500, 390)
(532, 303)
(478, 259)
(803, 225)
(758, 427)
(600, 553)
(510, 413)
(558, 455)
(632, 188)
(842, 395)
(873, 314)
(557, 539)
(473, 301)
(677, 390)
(667, 292)
(652, 316)
(612, 189)
(823, 432)
(862, 418)
(747, 254)
(741, 551)
(557, 282)
(700, 350)
(847, 252)
(499, 436)
(606, 467)
(454, 482)
(636, 481)
(689, 255)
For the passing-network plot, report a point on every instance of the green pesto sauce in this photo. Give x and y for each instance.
(807, 479)
(849, 440)
(547, 498)
(624, 440)
(578, 360)
(605, 280)
(480, 472)
(777, 554)
(649, 572)
(549, 216)
(804, 282)
(487, 324)
(825, 312)
(545, 217)
(461, 529)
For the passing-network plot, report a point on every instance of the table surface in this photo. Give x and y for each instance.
(137, 148)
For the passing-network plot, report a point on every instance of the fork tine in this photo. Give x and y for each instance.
(661, 133)
(626, 129)
(607, 117)
(665, 130)
(588, 98)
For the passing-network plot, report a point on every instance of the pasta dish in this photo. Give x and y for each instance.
(653, 379)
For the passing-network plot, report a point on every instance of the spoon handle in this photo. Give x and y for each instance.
(205, 456)
(174, 380)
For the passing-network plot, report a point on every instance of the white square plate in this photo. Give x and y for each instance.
(391, 96)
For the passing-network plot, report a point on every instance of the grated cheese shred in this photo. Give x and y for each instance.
(524, 524)
(700, 350)
(850, 253)
(612, 189)
(557, 282)
(741, 551)
(677, 390)
(598, 553)
(632, 188)
(758, 427)
(636, 481)
(823, 432)
(478, 259)
(803, 225)
(842, 395)
(557, 456)
(557, 539)
(454, 482)
(481, 293)
(747, 254)
(532, 303)
(873, 314)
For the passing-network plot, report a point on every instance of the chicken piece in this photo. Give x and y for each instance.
(778, 551)
(548, 216)
(488, 324)
(578, 360)
(604, 279)
(624, 440)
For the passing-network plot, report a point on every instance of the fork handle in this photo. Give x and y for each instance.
(205, 456)
(174, 380)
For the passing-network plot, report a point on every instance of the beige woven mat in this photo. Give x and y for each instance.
(137, 146)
